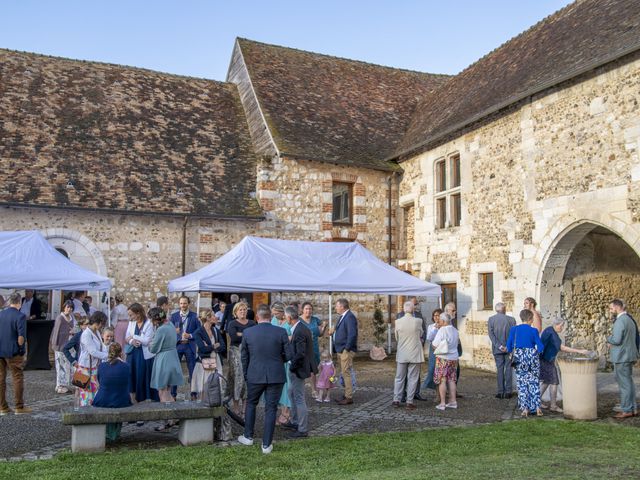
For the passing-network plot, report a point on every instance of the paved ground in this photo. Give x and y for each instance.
(41, 434)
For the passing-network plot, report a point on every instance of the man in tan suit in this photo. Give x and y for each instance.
(409, 356)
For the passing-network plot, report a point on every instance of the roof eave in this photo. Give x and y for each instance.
(146, 213)
(419, 148)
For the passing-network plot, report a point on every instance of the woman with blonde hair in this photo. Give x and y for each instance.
(211, 347)
(236, 386)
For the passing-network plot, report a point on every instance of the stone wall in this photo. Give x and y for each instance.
(586, 307)
(530, 174)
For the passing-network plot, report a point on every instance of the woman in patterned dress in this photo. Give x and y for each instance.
(525, 342)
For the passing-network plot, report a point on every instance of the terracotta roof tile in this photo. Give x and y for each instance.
(127, 139)
(332, 109)
(581, 36)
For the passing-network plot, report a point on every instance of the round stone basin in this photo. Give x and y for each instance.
(579, 389)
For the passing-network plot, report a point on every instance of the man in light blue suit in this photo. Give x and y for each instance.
(624, 353)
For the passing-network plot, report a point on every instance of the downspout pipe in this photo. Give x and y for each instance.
(184, 246)
(389, 187)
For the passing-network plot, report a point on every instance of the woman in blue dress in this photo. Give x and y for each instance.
(278, 319)
(317, 330)
(137, 340)
(525, 342)
(113, 392)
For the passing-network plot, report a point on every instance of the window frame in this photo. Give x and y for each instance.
(447, 174)
(451, 287)
(485, 302)
(349, 186)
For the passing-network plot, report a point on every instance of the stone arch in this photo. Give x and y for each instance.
(80, 250)
(77, 245)
(587, 262)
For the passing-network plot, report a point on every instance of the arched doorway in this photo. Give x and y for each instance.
(587, 266)
(81, 251)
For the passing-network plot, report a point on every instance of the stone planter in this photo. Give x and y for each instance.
(579, 389)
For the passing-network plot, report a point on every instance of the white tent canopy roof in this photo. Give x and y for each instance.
(268, 265)
(27, 260)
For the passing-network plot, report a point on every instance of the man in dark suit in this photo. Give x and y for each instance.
(499, 326)
(186, 323)
(345, 343)
(265, 349)
(13, 332)
(31, 306)
(302, 366)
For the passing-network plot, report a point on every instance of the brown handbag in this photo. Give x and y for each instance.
(80, 379)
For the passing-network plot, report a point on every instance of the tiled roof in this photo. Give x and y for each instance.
(99, 136)
(331, 109)
(574, 40)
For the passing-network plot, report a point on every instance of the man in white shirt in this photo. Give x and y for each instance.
(409, 356)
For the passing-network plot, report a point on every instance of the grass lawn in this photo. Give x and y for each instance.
(540, 449)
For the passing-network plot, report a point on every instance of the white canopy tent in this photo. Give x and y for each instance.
(269, 265)
(27, 260)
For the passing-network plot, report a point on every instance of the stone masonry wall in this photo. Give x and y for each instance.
(587, 300)
(529, 174)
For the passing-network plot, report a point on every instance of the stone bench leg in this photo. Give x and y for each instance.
(88, 438)
(195, 431)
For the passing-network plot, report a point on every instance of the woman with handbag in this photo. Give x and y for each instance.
(137, 340)
(446, 350)
(92, 352)
(525, 345)
(211, 348)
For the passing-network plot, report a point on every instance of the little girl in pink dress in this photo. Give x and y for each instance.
(326, 378)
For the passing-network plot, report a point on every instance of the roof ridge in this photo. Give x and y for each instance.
(335, 57)
(111, 64)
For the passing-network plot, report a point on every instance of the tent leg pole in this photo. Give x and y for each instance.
(198, 306)
(388, 338)
(440, 302)
(330, 323)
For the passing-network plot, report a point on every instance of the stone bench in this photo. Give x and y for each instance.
(88, 424)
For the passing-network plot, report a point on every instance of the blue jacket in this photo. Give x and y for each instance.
(113, 391)
(192, 326)
(13, 324)
(205, 346)
(72, 344)
(265, 349)
(524, 336)
(346, 335)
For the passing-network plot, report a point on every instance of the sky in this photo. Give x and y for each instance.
(196, 37)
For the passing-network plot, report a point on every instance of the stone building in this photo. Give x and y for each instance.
(521, 176)
(517, 177)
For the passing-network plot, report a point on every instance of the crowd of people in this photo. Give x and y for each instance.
(269, 355)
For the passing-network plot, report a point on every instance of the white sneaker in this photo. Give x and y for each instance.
(267, 450)
(245, 441)
(441, 407)
(452, 405)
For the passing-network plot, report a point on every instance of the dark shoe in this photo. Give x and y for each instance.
(290, 426)
(396, 404)
(458, 395)
(417, 396)
(623, 415)
(499, 395)
(297, 434)
(345, 401)
(411, 406)
(139, 424)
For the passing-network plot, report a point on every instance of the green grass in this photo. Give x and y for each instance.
(540, 449)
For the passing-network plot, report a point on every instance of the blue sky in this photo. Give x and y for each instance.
(195, 37)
